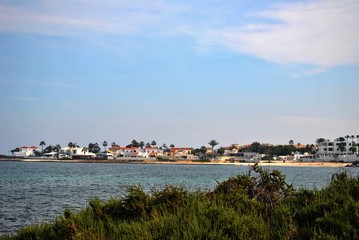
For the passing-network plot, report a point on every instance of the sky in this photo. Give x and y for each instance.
(177, 72)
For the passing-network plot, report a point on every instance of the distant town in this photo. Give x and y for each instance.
(341, 149)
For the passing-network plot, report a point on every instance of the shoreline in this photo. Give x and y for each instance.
(114, 161)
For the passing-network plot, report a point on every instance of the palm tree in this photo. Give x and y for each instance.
(213, 143)
(352, 148)
(153, 143)
(291, 142)
(172, 146)
(57, 149)
(104, 144)
(141, 144)
(84, 150)
(113, 144)
(42, 144)
(71, 145)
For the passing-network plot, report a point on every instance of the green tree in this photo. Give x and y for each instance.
(172, 146)
(42, 144)
(72, 145)
(57, 149)
(203, 150)
(84, 150)
(17, 149)
(153, 143)
(319, 140)
(291, 142)
(113, 144)
(213, 143)
(342, 146)
(220, 151)
(134, 143)
(141, 144)
(104, 144)
(94, 148)
(255, 147)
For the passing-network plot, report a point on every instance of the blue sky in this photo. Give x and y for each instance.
(181, 72)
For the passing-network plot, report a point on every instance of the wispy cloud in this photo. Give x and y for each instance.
(321, 33)
(77, 17)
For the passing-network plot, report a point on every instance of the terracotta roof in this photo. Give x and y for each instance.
(23, 147)
(33, 147)
(179, 149)
(116, 147)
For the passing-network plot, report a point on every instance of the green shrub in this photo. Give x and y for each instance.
(256, 205)
(266, 187)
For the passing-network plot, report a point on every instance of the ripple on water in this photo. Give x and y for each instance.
(32, 193)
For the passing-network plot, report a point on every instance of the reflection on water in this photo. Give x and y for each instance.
(37, 192)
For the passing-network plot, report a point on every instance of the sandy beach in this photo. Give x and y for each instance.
(262, 163)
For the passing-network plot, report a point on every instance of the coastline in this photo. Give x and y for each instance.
(114, 161)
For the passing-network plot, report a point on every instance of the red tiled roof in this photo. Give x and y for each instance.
(33, 147)
(23, 147)
(116, 147)
(180, 149)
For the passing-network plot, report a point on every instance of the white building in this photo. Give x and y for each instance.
(234, 155)
(78, 152)
(25, 152)
(338, 150)
(135, 152)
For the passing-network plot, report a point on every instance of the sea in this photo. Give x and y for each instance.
(37, 192)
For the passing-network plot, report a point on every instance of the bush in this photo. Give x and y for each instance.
(256, 205)
(266, 187)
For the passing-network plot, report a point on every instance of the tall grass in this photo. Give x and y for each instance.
(256, 205)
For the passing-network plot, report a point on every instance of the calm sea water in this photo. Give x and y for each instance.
(36, 192)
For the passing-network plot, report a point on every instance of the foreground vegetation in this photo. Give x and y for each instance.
(256, 205)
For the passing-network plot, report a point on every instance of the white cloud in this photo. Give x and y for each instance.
(321, 33)
(76, 17)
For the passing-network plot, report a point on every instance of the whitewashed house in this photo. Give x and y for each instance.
(77, 152)
(338, 150)
(25, 152)
(134, 152)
